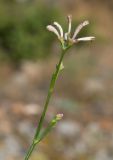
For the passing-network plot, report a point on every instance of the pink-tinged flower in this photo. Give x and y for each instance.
(85, 39)
(54, 30)
(65, 38)
(59, 116)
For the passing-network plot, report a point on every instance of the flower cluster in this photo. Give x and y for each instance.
(65, 38)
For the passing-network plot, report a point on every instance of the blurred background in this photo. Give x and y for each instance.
(84, 90)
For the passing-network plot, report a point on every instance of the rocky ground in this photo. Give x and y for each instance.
(80, 135)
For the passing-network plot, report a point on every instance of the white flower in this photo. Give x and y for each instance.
(85, 39)
(59, 28)
(53, 29)
(69, 17)
(78, 29)
(65, 38)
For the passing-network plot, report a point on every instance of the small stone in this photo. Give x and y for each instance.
(69, 128)
(32, 109)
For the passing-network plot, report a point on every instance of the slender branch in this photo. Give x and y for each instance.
(50, 91)
(30, 150)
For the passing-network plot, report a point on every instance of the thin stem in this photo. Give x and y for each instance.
(30, 150)
(50, 91)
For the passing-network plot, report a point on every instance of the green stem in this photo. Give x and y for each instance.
(30, 150)
(50, 91)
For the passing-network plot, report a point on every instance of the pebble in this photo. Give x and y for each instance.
(68, 128)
